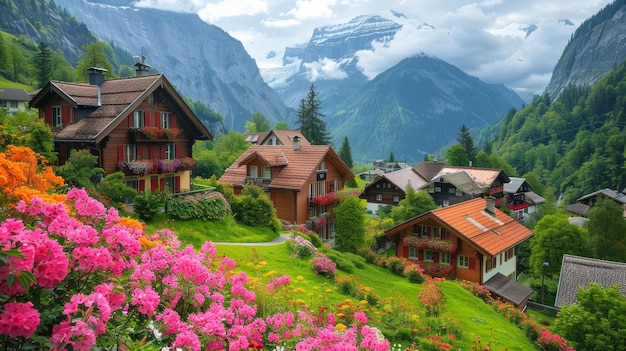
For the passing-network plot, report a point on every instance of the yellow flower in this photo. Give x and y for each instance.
(415, 317)
(340, 327)
(269, 274)
(329, 290)
(299, 277)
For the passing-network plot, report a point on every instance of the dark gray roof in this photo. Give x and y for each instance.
(579, 272)
(12, 94)
(513, 186)
(612, 194)
(579, 209)
(534, 198)
(508, 289)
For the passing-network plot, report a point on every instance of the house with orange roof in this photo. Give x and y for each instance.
(447, 185)
(471, 240)
(139, 125)
(300, 179)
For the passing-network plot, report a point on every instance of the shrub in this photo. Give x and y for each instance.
(357, 261)
(148, 204)
(414, 273)
(315, 239)
(347, 286)
(208, 207)
(340, 261)
(253, 208)
(368, 254)
(396, 264)
(322, 265)
(300, 247)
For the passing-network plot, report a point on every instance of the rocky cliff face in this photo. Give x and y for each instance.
(597, 47)
(201, 60)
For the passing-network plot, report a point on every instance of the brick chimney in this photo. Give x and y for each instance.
(96, 77)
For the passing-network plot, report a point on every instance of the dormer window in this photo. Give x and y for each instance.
(267, 172)
(254, 171)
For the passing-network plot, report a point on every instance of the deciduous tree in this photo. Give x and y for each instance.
(607, 230)
(413, 204)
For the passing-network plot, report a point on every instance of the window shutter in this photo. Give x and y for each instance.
(420, 255)
(162, 184)
(120, 153)
(48, 115)
(177, 151)
(177, 184)
(163, 152)
(142, 185)
(405, 252)
(172, 121)
(436, 257)
(472, 263)
(151, 152)
(157, 119)
(65, 116)
(154, 183)
(144, 118)
(139, 152)
(130, 120)
(453, 260)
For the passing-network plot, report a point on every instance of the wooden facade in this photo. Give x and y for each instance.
(140, 126)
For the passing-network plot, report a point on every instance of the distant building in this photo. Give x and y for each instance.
(521, 199)
(585, 202)
(13, 100)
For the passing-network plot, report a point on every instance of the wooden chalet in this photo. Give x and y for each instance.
(521, 199)
(471, 240)
(300, 179)
(139, 125)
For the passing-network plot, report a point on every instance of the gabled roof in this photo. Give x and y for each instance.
(508, 289)
(534, 198)
(13, 94)
(296, 165)
(429, 169)
(578, 209)
(612, 194)
(463, 181)
(118, 98)
(514, 185)
(285, 137)
(254, 138)
(489, 234)
(401, 178)
(579, 272)
(482, 176)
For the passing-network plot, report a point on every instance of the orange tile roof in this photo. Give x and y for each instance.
(471, 222)
(492, 234)
(482, 176)
(297, 165)
(286, 137)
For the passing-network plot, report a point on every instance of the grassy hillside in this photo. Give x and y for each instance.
(470, 319)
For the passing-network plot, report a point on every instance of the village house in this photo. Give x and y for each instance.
(521, 199)
(300, 179)
(585, 202)
(140, 126)
(471, 240)
(447, 185)
(13, 100)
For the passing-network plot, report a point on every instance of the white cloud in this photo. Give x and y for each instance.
(281, 23)
(232, 8)
(326, 69)
(307, 9)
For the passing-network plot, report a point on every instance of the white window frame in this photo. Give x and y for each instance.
(57, 117)
(170, 151)
(138, 119)
(166, 119)
(429, 256)
(254, 171)
(462, 261)
(130, 152)
(413, 253)
(379, 197)
(396, 198)
(444, 258)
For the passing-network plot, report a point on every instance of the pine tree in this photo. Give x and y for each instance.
(43, 64)
(345, 152)
(310, 120)
(465, 139)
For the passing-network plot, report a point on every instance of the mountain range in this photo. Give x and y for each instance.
(416, 107)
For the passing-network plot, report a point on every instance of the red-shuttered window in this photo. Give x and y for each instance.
(170, 151)
(463, 261)
(444, 258)
(57, 116)
(413, 253)
(138, 119)
(170, 185)
(166, 118)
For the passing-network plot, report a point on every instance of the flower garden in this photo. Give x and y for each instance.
(75, 275)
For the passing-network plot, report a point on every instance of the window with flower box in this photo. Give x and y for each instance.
(138, 119)
(413, 253)
(463, 261)
(170, 151)
(130, 152)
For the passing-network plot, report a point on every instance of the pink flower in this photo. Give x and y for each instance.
(146, 300)
(19, 319)
(360, 316)
(187, 339)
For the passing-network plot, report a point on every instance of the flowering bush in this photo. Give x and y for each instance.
(431, 296)
(322, 265)
(172, 133)
(140, 167)
(170, 165)
(414, 273)
(429, 244)
(436, 269)
(299, 247)
(78, 276)
(552, 342)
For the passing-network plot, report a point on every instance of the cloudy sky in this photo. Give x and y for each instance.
(487, 39)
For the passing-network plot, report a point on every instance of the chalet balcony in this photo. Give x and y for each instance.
(259, 181)
(153, 134)
(430, 244)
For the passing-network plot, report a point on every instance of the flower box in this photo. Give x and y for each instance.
(430, 244)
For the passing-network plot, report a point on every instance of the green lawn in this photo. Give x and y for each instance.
(470, 317)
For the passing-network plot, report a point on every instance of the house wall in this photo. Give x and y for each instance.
(385, 190)
(503, 266)
(284, 204)
(445, 194)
